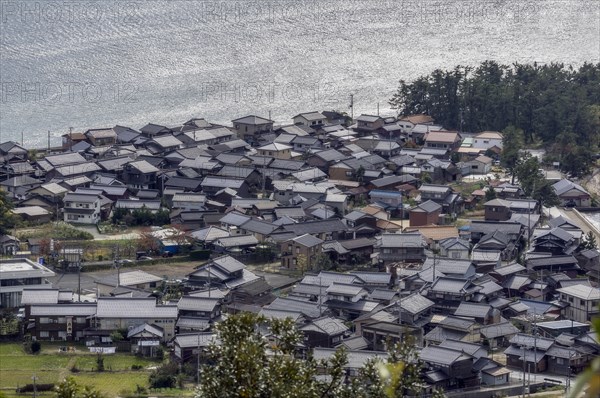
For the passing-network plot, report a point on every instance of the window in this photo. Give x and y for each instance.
(44, 333)
(297, 250)
(44, 320)
(560, 361)
(582, 302)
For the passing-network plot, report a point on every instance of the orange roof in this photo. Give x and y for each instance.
(418, 119)
(489, 135)
(436, 232)
(389, 225)
(442, 136)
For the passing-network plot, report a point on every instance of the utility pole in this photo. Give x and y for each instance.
(79, 282)
(34, 378)
(352, 107)
(198, 360)
(524, 363)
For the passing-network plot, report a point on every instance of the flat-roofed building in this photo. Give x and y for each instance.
(15, 275)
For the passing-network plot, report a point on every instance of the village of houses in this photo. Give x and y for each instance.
(365, 216)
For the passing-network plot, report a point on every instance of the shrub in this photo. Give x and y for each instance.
(200, 255)
(36, 347)
(136, 367)
(165, 376)
(39, 388)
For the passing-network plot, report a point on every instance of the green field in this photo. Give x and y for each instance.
(51, 366)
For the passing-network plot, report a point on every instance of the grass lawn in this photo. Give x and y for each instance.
(50, 366)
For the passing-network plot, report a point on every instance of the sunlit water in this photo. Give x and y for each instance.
(594, 218)
(99, 64)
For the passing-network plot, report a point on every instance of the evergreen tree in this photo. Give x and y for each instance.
(7, 219)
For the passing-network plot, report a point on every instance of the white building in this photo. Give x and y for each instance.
(82, 208)
(487, 140)
(16, 274)
(583, 302)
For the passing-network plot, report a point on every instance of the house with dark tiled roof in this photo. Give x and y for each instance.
(140, 175)
(571, 194)
(401, 248)
(301, 252)
(369, 123)
(250, 127)
(426, 213)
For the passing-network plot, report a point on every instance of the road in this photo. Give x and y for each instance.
(581, 222)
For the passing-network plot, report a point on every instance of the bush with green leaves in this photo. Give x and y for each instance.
(244, 363)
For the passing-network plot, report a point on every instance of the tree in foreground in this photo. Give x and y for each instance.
(69, 388)
(588, 242)
(245, 363)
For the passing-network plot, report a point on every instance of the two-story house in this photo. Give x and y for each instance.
(448, 140)
(443, 195)
(323, 332)
(583, 302)
(114, 313)
(369, 123)
(301, 252)
(401, 248)
(310, 119)
(101, 137)
(82, 208)
(248, 128)
(275, 150)
(140, 175)
(488, 140)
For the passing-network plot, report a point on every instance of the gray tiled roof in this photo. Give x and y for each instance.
(415, 303)
(541, 343)
(402, 240)
(328, 325)
(75, 309)
(441, 355)
(144, 308)
(344, 289)
(308, 240)
(474, 310)
(498, 329)
(229, 263)
(307, 308)
(203, 304)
